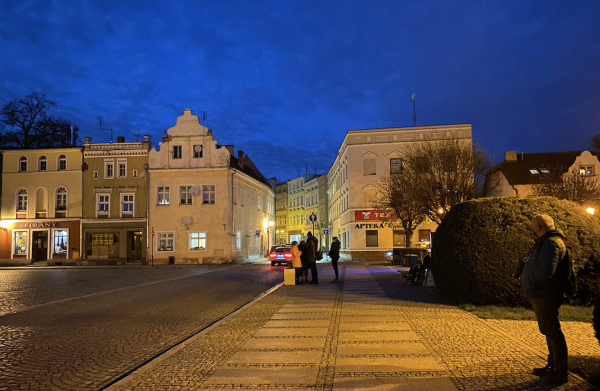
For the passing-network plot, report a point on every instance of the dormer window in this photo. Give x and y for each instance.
(586, 170)
(534, 171)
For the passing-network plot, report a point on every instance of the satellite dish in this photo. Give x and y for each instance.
(186, 220)
(198, 148)
(195, 190)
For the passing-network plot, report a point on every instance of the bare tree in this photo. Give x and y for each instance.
(25, 123)
(595, 142)
(572, 186)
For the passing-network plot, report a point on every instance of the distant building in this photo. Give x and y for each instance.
(517, 175)
(206, 205)
(363, 157)
(315, 191)
(296, 208)
(41, 205)
(115, 202)
(281, 212)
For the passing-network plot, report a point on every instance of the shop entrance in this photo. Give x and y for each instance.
(134, 246)
(39, 250)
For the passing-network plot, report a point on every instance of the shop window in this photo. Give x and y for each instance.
(372, 238)
(165, 241)
(395, 166)
(208, 194)
(61, 199)
(22, 164)
(369, 167)
(42, 163)
(177, 151)
(127, 202)
(399, 238)
(22, 200)
(197, 240)
(62, 163)
(61, 241)
(185, 195)
(20, 243)
(162, 195)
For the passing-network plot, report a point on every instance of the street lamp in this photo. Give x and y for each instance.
(590, 210)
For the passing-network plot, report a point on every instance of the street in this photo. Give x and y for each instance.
(74, 329)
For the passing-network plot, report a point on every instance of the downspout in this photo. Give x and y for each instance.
(148, 233)
(233, 242)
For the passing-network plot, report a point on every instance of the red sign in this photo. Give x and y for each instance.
(367, 215)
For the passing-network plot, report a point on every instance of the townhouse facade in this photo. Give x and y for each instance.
(281, 212)
(41, 205)
(205, 204)
(316, 205)
(296, 208)
(115, 208)
(363, 157)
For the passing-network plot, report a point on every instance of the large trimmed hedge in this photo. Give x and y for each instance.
(477, 245)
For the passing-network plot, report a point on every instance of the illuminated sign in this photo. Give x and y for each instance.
(39, 225)
(368, 215)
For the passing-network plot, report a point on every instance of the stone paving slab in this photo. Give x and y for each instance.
(397, 348)
(297, 323)
(272, 376)
(284, 343)
(387, 364)
(316, 315)
(379, 336)
(392, 384)
(374, 326)
(372, 313)
(293, 332)
(318, 304)
(303, 309)
(295, 357)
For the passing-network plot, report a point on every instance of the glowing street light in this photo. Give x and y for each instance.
(590, 210)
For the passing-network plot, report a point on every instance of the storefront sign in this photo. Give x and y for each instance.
(369, 226)
(368, 215)
(39, 225)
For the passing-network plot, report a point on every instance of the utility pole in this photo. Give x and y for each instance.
(111, 131)
(414, 116)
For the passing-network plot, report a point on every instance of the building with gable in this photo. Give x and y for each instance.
(206, 205)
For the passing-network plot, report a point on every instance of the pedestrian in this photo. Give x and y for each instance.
(304, 259)
(296, 262)
(334, 253)
(419, 268)
(545, 297)
(311, 249)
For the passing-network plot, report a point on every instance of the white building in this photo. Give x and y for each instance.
(364, 156)
(205, 204)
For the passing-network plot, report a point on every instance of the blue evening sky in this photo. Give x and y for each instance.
(284, 80)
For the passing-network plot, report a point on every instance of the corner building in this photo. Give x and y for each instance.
(206, 205)
(363, 157)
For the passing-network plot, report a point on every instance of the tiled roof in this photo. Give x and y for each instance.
(249, 169)
(518, 172)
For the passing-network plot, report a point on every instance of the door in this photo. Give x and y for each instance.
(40, 246)
(134, 248)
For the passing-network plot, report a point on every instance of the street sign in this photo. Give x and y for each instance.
(312, 218)
(325, 232)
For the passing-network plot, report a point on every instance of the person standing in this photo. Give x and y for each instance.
(311, 249)
(545, 297)
(304, 259)
(296, 262)
(334, 253)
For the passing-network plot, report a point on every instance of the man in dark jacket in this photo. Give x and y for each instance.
(544, 296)
(334, 253)
(311, 249)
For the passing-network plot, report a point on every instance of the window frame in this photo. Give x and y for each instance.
(158, 236)
(122, 204)
(44, 159)
(179, 193)
(214, 195)
(395, 161)
(98, 213)
(367, 161)
(107, 163)
(586, 170)
(371, 231)
(61, 158)
(177, 148)
(168, 193)
(13, 240)
(190, 233)
(66, 199)
(53, 252)
(201, 154)
(118, 166)
(23, 159)
(18, 196)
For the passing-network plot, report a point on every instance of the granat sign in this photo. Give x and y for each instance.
(39, 225)
(368, 226)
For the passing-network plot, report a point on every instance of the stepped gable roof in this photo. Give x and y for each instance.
(518, 172)
(249, 169)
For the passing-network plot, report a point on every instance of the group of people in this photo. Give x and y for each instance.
(304, 257)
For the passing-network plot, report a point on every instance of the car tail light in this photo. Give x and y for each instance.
(273, 255)
(288, 255)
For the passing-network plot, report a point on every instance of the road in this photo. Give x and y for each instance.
(75, 329)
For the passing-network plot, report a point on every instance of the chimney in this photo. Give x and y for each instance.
(120, 139)
(510, 156)
(241, 158)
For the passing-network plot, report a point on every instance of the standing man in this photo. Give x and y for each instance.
(334, 253)
(545, 297)
(311, 248)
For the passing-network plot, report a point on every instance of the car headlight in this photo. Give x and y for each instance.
(388, 253)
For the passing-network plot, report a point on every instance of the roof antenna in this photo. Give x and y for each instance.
(204, 118)
(414, 116)
(111, 131)
(136, 137)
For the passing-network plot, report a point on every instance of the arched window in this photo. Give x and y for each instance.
(61, 199)
(22, 164)
(62, 162)
(22, 200)
(42, 163)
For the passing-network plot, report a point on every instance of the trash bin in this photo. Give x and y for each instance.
(397, 256)
(410, 260)
(171, 260)
(289, 276)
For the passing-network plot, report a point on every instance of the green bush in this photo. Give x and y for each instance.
(478, 244)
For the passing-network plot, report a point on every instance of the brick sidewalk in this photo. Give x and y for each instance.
(372, 331)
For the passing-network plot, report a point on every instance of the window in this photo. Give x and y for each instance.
(544, 171)
(162, 195)
(22, 200)
(42, 163)
(127, 202)
(372, 238)
(177, 151)
(399, 238)
(60, 241)
(62, 163)
(103, 204)
(109, 169)
(534, 171)
(586, 170)
(369, 166)
(185, 195)
(121, 168)
(20, 243)
(61, 198)
(238, 240)
(165, 241)
(197, 240)
(208, 194)
(22, 164)
(95, 174)
(197, 151)
(395, 166)
(135, 173)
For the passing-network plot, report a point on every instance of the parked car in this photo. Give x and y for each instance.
(389, 256)
(281, 255)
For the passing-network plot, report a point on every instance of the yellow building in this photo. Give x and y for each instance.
(281, 212)
(363, 157)
(115, 205)
(296, 208)
(207, 206)
(315, 200)
(41, 205)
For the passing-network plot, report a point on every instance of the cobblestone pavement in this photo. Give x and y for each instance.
(22, 288)
(371, 331)
(84, 343)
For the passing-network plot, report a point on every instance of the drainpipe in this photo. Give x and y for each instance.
(148, 233)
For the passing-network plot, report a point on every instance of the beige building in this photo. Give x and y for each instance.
(115, 208)
(205, 204)
(363, 157)
(315, 194)
(41, 205)
(517, 175)
(296, 208)
(281, 212)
